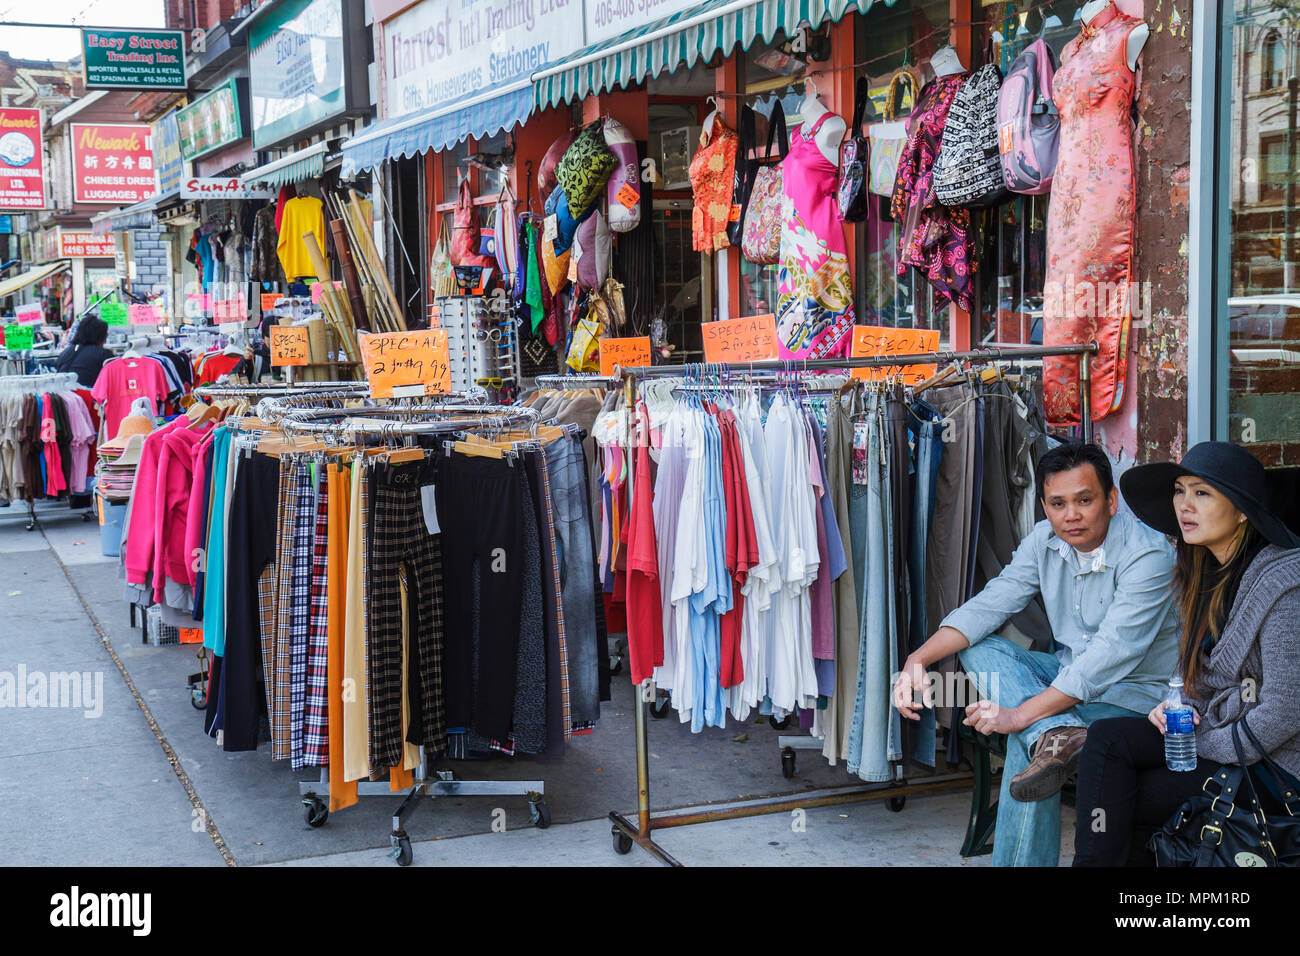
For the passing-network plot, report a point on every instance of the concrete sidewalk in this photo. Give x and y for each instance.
(100, 790)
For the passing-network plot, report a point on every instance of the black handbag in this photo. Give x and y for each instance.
(1224, 825)
(746, 170)
(853, 193)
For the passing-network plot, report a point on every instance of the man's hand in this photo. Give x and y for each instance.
(911, 679)
(988, 718)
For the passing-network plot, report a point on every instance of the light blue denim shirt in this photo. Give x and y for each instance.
(1116, 625)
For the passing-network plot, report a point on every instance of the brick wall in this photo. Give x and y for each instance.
(149, 249)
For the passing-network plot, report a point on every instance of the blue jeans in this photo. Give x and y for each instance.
(1027, 834)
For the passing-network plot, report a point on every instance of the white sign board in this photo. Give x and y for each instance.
(607, 19)
(442, 51)
(222, 187)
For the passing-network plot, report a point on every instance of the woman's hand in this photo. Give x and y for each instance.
(1157, 715)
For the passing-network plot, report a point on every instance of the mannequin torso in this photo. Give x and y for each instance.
(946, 62)
(1136, 40)
(832, 131)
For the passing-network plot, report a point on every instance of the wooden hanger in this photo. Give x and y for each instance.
(936, 379)
(475, 450)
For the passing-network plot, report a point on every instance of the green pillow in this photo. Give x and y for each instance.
(585, 168)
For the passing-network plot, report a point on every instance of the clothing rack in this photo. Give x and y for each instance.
(625, 832)
(578, 380)
(35, 384)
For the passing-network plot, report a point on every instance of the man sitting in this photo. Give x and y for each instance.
(1105, 580)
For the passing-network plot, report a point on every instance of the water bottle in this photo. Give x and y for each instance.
(1180, 732)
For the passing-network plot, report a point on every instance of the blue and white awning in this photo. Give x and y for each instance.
(297, 167)
(683, 38)
(439, 128)
(141, 215)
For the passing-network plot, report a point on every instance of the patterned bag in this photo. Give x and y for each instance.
(853, 190)
(465, 232)
(889, 138)
(585, 168)
(1029, 126)
(968, 171)
(442, 275)
(761, 241)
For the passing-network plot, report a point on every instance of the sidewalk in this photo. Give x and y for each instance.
(99, 790)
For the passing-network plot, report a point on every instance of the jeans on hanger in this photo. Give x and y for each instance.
(928, 430)
(1027, 834)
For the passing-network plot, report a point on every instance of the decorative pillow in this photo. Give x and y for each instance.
(623, 216)
(585, 169)
(592, 250)
(546, 171)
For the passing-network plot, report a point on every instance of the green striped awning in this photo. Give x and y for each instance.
(685, 38)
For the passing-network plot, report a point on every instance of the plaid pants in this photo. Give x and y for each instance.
(398, 537)
(315, 729)
(275, 639)
(304, 523)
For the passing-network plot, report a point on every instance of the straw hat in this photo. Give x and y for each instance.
(131, 425)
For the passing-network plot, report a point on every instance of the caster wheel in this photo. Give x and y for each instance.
(896, 804)
(402, 850)
(616, 667)
(315, 812)
(787, 763)
(622, 842)
(659, 709)
(540, 814)
(780, 724)
(198, 699)
(85, 516)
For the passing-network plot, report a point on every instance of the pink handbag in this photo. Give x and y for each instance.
(760, 240)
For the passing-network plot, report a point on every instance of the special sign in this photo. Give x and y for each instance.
(22, 182)
(751, 339)
(624, 353)
(406, 364)
(288, 345)
(876, 340)
(111, 163)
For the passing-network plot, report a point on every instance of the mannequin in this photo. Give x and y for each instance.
(946, 62)
(832, 131)
(1136, 40)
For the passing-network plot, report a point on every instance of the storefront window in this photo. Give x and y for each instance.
(1258, 367)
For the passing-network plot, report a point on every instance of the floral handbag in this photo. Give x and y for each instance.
(761, 240)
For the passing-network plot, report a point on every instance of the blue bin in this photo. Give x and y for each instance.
(111, 517)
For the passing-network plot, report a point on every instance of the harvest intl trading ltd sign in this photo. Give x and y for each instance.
(133, 59)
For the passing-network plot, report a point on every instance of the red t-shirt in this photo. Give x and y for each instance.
(645, 631)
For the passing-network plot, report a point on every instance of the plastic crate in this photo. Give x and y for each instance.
(157, 633)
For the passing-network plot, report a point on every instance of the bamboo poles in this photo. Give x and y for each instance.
(357, 250)
(333, 305)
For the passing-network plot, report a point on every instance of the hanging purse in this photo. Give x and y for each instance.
(465, 231)
(442, 276)
(1225, 826)
(853, 192)
(968, 170)
(746, 168)
(761, 241)
(889, 139)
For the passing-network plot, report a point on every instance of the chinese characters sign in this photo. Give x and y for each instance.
(111, 163)
(22, 185)
(402, 364)
(134, 59)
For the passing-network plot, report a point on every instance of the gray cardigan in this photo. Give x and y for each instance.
(1255, 666)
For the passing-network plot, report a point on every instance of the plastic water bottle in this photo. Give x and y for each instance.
(1180, 732)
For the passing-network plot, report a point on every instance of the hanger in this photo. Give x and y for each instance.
(707, 129)
(946, 62)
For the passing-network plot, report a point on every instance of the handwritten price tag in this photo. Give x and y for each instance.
(624, 353)
(288, 345)
(870, 341)
(230, 310)
(19, 338)
(269, 299)
(751, 339)
(628, 196)
(400, 360)
(318, 289)
(113, 313)
(145, 314)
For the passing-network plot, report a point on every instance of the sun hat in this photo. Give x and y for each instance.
(130, 425)
(1149, 489)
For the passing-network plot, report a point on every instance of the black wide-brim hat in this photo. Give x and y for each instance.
(1149, 489)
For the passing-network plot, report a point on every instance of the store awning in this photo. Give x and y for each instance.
(30, 277)
(686, 37)
(297, 167)
(438, 128)
(137, 216)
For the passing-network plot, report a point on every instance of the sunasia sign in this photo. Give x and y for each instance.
(85, 245)
(111, 163)
(22, 183)
(222, 187)
(133, 59)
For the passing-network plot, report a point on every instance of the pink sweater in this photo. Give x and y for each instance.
(172, 496)
(139, 558)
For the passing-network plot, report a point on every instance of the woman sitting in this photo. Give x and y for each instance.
(1237, 581)
(86, 355)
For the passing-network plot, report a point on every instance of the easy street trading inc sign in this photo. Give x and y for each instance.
(133, 59)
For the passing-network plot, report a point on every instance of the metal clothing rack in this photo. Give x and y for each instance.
(441, 783)
(40, 382)
(627, 833)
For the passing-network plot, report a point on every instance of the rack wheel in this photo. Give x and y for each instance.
(402, 850)
(622, 842)
(787, 763)
(780, 724)
(86, 516)
(616, 666)
(540, 814)
(896, 804)
(315, 811)
(198, 699)
(659, 709)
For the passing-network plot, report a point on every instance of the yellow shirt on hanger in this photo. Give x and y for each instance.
(301, 215)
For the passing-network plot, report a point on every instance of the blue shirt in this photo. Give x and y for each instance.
(1115, 624)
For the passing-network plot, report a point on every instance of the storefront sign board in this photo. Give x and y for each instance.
(22, 180)
(133, 59)
(111, 163)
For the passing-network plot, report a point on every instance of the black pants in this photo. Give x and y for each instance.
(250, 547)
(400, 539)
(479, 505)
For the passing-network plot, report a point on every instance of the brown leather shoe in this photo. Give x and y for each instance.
(1056, 755)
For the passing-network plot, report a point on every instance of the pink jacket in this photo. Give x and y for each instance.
(139, 557)
(172, 497)
(196, 515)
